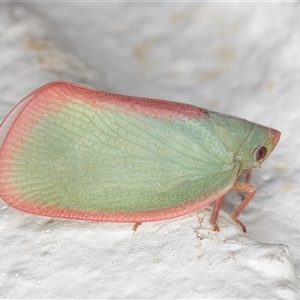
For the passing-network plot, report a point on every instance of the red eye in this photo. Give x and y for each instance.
(261, 152)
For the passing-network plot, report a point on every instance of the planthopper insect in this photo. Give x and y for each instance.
(68, 151)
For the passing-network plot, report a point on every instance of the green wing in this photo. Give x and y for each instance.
(82, 157)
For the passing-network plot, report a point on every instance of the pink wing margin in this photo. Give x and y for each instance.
(54, 95)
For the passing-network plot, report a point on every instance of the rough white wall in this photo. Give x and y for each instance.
(238, 58)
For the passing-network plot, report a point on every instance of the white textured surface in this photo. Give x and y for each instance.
(237, 58)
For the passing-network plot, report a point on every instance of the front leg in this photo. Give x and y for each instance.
(249, 191)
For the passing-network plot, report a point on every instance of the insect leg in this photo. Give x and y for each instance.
(215, 213)
(249, 192)
(136, 225)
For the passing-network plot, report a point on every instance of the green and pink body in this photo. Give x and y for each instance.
(68, 151)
